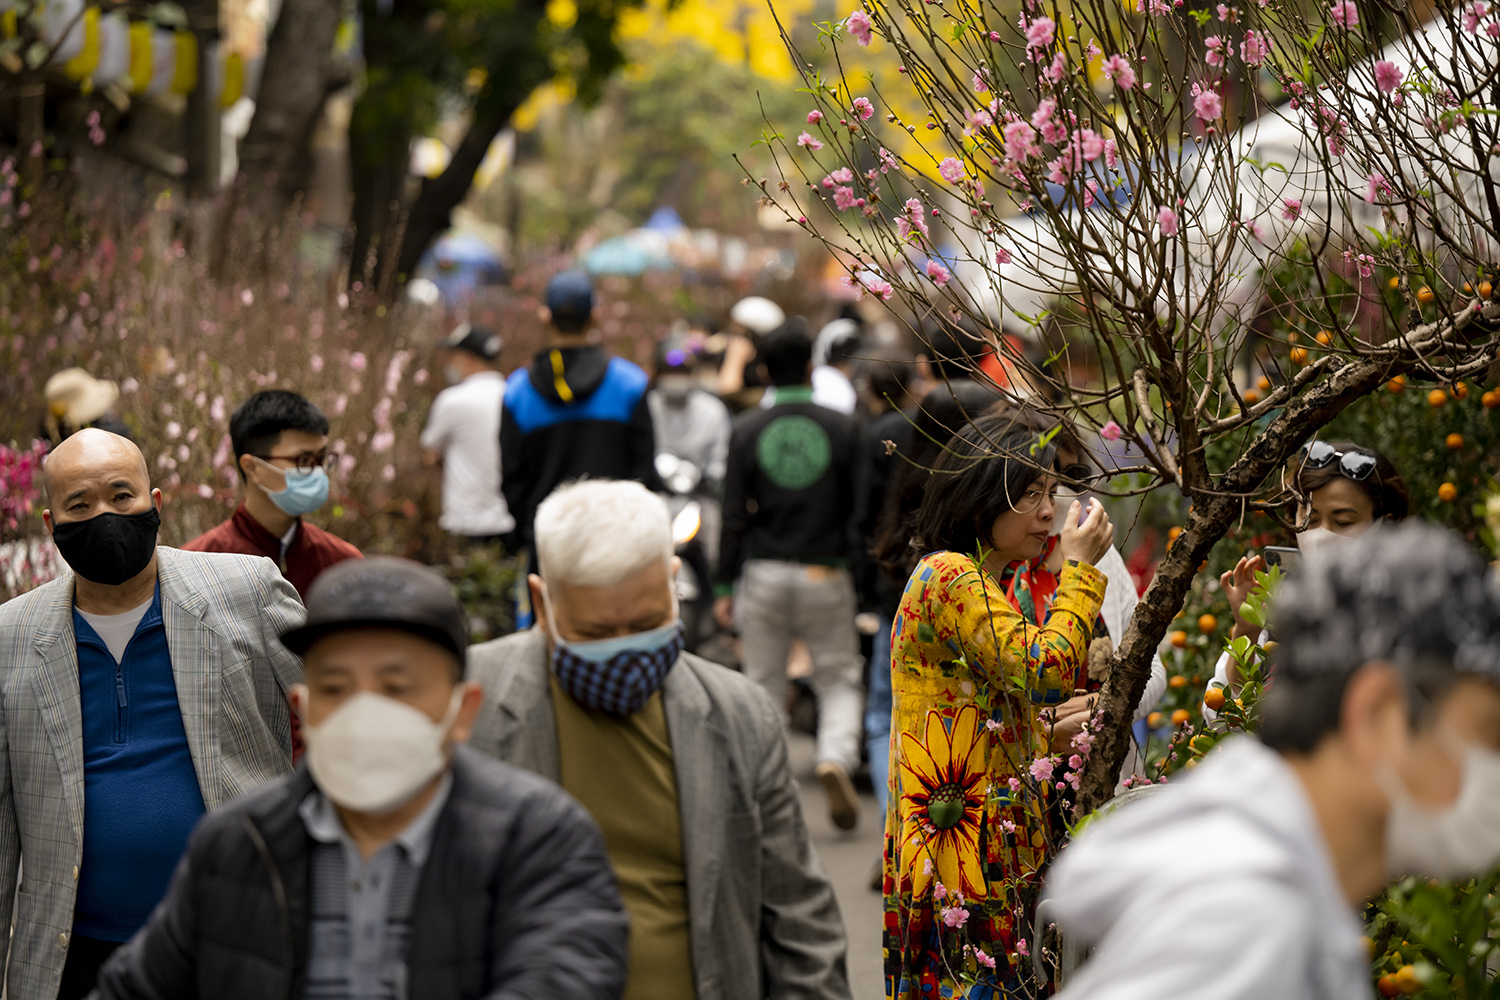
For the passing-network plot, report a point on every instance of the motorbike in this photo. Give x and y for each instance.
(693, 510)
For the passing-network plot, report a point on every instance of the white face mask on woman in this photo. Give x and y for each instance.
(1064, 496)
(373, 754)
(1316, 539)
(1457, 841)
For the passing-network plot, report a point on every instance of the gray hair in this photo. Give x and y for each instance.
(1412, 595)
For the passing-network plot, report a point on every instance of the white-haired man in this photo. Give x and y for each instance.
(682, 762)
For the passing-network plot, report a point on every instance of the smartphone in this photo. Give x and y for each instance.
(1283, 556)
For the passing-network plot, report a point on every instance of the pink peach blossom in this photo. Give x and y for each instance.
(859, 26)
(1387, 75)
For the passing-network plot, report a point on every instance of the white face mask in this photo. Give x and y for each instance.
(1061, 501)
(675, 387)
(373, 754)
(1458, 841)
(1316, 539)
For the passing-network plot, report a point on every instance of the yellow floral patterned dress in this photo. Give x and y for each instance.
(970, 778)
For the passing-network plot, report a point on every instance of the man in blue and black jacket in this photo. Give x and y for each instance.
(574, 412)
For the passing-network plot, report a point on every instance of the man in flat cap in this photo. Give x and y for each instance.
(396, 862)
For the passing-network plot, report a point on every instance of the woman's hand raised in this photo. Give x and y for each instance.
(1086, 542)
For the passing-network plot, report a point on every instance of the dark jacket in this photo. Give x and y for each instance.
(517, 900)
(575, 412)
(789, 487)
(885, 438)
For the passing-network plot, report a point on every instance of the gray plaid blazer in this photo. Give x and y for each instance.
(763, 918)
(222, 615)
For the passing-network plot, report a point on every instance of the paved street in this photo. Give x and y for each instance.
(848, 858)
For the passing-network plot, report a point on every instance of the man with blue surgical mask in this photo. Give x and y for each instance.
(280, 442)
(1378, 757)
(682, 762)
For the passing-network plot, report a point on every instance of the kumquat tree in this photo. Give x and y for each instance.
(1121, 184)
(1217, 225)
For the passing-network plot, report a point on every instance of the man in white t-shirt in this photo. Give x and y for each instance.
(463, 435)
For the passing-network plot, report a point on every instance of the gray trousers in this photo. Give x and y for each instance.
(779, 602)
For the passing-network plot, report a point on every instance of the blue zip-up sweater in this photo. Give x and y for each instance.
(140, 792)
(575, 413)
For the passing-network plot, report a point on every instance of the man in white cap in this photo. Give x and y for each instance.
(834, 351)
(749, 320)
(75, 400)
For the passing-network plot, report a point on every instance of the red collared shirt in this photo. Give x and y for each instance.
(312, 550)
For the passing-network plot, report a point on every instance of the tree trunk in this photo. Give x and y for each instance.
(1209, 519)
(297, 77)
(31, 129)
(203, 133)
(516, 71)
(432, 212)
(377, 179)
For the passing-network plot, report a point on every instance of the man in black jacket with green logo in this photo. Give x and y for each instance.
(784, 558)
(395, 862)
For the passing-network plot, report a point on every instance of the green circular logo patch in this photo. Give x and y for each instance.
(793, 451)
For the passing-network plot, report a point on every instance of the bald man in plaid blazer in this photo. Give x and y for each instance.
(129, 735)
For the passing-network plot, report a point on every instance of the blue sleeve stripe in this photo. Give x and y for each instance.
(615, 400)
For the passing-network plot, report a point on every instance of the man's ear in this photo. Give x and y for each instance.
(156, 499)
(468, 711)
(47, 520)
(297, 695)
(539, 607)
(1374, 717)
(247, 468)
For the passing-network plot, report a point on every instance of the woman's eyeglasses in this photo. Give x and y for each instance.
(1031, 500)
(305, 462)
(1355, 465)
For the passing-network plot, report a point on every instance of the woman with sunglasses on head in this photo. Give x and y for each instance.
(1345, 488)
(967, 830)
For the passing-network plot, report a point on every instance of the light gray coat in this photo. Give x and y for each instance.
(222, 614)
(764, 921)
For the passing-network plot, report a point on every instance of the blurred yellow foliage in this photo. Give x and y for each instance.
(740, 31)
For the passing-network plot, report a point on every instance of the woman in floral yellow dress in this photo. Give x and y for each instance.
(970, 782)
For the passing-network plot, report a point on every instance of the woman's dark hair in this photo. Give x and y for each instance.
(1385, 487)
(982, 472)
(945, 410)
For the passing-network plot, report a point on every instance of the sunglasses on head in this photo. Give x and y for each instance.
(1355, 465)
(1077, 473)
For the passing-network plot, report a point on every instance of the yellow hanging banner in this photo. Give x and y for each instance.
(87, 60)
(139, 76)
(234, 80)
(185, 76)
(8, 22)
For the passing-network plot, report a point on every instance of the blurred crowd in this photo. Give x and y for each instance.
(265, 765)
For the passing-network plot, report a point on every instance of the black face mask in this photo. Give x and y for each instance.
(108, 548)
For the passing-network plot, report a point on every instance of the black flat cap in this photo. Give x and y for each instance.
(382, 592)
(477, 340)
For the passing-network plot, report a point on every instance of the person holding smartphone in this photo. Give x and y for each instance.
(1347, 488)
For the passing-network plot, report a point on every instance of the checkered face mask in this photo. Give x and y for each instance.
(618, 675)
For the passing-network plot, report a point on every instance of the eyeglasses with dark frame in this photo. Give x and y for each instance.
(327, 460)
(1355, 465)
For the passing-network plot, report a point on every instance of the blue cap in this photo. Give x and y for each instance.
(570, 298)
